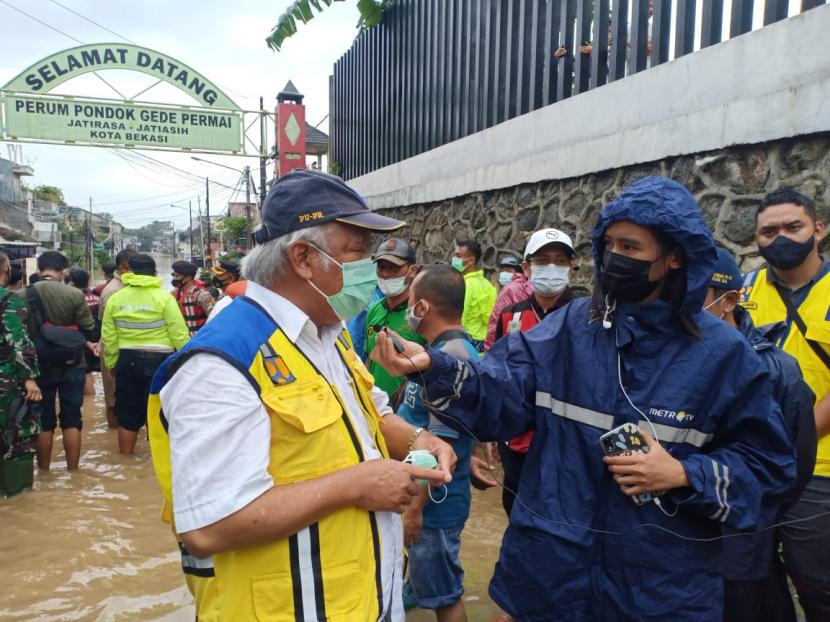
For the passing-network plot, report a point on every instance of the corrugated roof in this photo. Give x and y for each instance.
(315, 136)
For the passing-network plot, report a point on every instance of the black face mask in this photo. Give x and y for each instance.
(785, 253)
(218, 283)
(625, 278)
(176, 283)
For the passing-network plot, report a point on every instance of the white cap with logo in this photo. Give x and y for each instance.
(543, 237)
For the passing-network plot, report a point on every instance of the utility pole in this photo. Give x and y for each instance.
(201, 230)
(263, 159)
(250, 242)
(89, 262)
(209, 253)
(190, 231)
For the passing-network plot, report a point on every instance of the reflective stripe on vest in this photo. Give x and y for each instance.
(194, 315)
(140, 325)
(326, 569)
(197, 566)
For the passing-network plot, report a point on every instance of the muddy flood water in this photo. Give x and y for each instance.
(90, 545)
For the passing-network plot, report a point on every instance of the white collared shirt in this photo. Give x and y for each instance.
(220, 434)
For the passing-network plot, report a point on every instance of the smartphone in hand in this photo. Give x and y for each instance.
(625, 440)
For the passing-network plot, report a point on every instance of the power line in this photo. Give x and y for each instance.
(149, 198)
(102, 27)
(91, 21)
(156, 167)
(58, 30)
(194, 176)
(133, 165)
(40, 21)
(153, 212)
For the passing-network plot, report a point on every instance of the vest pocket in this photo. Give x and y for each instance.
(308, 438)
(307, 405)
(273, 594)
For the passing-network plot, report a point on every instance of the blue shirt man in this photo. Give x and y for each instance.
(434, 521)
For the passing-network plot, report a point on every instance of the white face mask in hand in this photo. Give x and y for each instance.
(549, 280)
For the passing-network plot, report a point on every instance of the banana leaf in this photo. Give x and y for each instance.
(371, 14)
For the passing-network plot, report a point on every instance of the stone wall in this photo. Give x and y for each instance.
(728, 185)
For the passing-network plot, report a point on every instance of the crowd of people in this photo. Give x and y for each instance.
(663, 440)
(58, 331)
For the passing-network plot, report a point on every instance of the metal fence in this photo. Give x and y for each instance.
(437, 70)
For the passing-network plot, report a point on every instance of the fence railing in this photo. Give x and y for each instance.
(437, 70)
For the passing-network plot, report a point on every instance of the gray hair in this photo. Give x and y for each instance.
(270, 260)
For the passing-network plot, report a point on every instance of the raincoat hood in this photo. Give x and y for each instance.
(140, 280)
(665, 205)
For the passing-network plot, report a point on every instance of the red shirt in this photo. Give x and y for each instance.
(521, 317)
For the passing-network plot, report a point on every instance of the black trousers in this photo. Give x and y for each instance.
(807, 549)
(766, 599)
(134, 372)
(512, 462)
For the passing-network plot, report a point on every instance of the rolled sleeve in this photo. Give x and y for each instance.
(381, 400)
(219, 442)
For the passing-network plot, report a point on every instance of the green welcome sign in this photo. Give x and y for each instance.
(30, 113)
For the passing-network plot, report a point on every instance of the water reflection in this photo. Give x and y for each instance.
(90, 545)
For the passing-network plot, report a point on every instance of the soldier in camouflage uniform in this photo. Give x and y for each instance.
(18, 369)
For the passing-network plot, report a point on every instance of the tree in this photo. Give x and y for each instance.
(371, 14)
(49, 193)
(234, 227)
(148, 233)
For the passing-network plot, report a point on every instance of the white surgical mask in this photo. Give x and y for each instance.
(714, 302)
(549, 280)
(505, 278)
(392, 287)
(412, 320)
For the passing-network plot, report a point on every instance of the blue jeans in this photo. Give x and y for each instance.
(67, 386)
(435, 570)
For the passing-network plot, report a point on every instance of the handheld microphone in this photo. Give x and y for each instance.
(396, 343)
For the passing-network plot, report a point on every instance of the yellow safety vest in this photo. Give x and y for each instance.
(760, 298)
(330, 570)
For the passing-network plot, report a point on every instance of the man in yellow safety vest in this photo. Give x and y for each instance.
(793, 291)
(279, 483)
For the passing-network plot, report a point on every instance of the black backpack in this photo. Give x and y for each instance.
(56, 345)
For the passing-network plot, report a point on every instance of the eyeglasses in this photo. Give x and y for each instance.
(546, 261)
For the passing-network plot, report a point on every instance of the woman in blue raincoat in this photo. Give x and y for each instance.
(642, 352)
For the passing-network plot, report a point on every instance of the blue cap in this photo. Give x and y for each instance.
(306, 198)
(727, 274)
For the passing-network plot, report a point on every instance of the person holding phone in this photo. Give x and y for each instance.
(641, 351)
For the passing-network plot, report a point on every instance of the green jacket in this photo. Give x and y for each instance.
(479, 300)
(141, 316)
